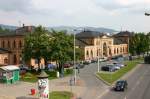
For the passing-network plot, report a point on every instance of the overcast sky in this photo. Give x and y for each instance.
(115, 14)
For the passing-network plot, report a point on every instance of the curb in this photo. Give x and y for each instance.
(105, 82)
(123, 77)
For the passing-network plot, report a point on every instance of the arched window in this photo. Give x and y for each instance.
(105, 49)
(109, 51)
(20, 44)
(87, 53)
(8, 44)
(14, 44)
(115, 51)
(5, 61)
(3, 44)
(15, 59)
(91, 53)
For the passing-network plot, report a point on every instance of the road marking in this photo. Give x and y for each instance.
(102, 94)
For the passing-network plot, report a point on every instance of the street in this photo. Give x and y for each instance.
(138, 85)
(95, 87)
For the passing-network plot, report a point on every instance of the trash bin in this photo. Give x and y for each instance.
(32, 91)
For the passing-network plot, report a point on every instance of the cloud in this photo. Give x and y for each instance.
(15, 5)
(133, 6)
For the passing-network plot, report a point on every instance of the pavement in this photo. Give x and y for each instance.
(87, 86)
(138, 85)
(21, 90)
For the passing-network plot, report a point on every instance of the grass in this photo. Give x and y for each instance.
(60, 95)
(32, 76)
(112, 77)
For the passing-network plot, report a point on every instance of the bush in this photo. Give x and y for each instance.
(69, 71)
(51, 73)
(147, 59)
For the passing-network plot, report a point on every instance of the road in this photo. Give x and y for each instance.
(138, 85)
(95, 87)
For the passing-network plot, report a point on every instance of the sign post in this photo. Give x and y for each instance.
(43, 85)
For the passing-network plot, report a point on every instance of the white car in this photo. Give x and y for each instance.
(117, 67)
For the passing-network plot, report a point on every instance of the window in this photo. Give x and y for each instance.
(14, 44)
(3, 44)
(8, 44)
(87, 53)
(20, 44)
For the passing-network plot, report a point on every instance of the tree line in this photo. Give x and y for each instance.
(139, 44)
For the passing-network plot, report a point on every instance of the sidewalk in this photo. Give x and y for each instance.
(22, 89)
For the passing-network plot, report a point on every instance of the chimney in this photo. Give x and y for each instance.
(23, 25)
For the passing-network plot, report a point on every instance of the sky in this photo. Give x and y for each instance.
(114, 14)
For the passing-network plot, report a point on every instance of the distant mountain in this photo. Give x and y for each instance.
(69, 29)
(72, 29)
(8, 27)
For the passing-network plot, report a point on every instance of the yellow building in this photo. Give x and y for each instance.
(95, 44)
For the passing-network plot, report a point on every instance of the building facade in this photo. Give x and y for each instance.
(99, 45)
(14, 43)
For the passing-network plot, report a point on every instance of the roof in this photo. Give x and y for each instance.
(118, 41)
(21, 31)
(2, 50)
(9, 68)
(89, 34)
(124, 33)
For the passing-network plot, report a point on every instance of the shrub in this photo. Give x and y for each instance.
(147, 59)
(69, 71)
(51, 73)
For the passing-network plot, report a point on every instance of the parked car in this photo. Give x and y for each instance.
(80, 66)
(121, 85)
(109, 68)
(67, 65)
(117, 67)
(86, 62)
(94, 61)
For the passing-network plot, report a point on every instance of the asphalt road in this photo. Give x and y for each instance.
(138, 85)
(95, 87)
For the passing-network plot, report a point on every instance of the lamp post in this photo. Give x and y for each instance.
(75, 72)
(43, 85)
(98, 61)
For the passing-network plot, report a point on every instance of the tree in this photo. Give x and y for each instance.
(139, 44)
(37, 45)
(61, 44)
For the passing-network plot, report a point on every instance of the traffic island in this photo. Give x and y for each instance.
(109, 78)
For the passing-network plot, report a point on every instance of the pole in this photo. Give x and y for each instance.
(74, 61)
(98, 61)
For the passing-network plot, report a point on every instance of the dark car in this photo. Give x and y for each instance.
(109, 68)
(80, 66)
(121, 85)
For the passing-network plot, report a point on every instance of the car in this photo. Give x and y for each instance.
(117, 67)
(109, 68)
(67, 65)
(93, 61)
(80, 66)
(121, 85)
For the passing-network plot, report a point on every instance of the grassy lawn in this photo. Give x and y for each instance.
(60, 95)
(32, 76)
(112, 77)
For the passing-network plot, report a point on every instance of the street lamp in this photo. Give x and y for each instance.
(75, 72)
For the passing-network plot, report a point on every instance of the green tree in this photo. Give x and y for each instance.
(37, 44)
(61, 44)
